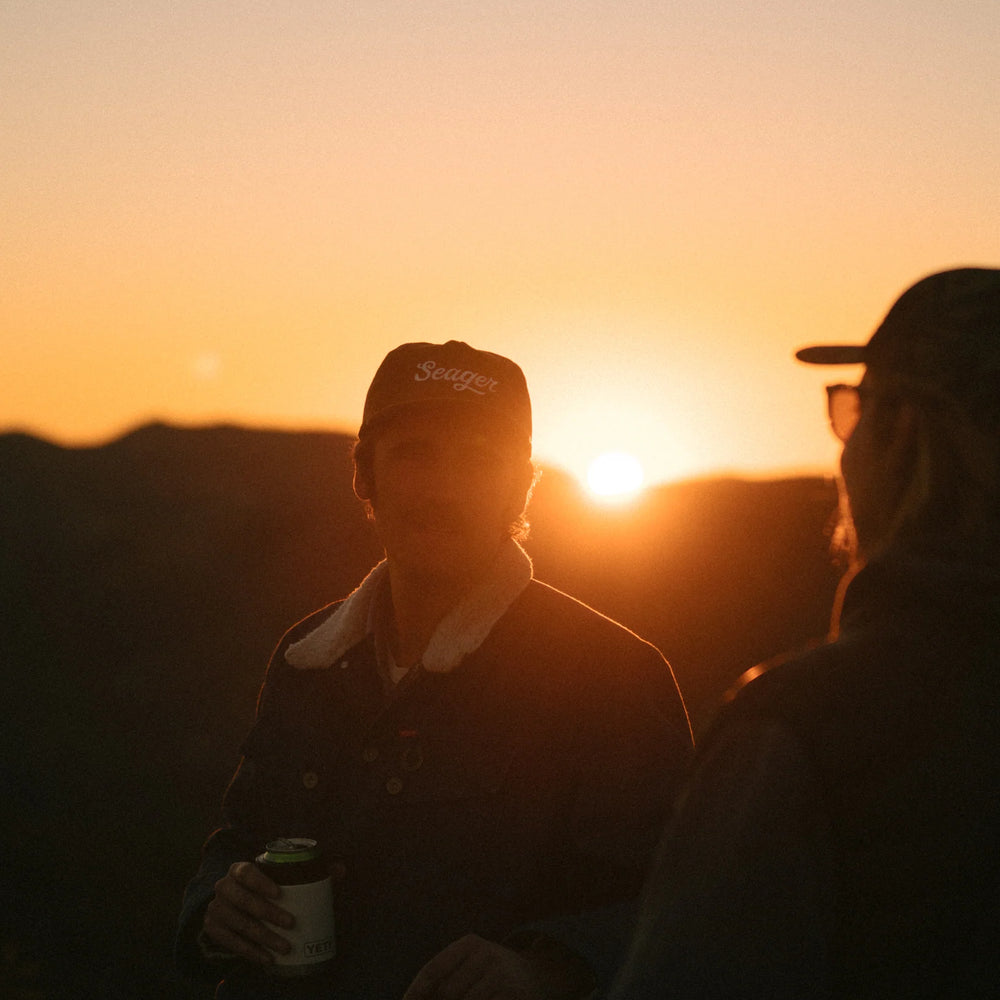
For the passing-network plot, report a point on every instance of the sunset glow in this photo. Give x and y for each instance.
(233, 213)
(615, 475)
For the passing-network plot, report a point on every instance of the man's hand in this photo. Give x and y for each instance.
(475, 969)
(234, 921)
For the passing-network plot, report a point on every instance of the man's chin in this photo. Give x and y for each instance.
(443, 556)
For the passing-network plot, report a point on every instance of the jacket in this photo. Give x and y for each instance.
(527, 779)
(840, 834)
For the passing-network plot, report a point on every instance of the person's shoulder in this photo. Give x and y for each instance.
(310, 622)
(842, 698)
(282, 679)
(787, 680)
(553, 617)
(544, 599)
(278, 664)
(769, 702)
(570, 650)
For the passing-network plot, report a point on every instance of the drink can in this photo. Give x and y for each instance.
(296, 864)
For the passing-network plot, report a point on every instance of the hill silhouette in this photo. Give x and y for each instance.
(146, 581)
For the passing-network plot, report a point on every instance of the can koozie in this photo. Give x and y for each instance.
(296, 865)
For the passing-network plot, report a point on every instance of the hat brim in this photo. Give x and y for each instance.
(832, 354)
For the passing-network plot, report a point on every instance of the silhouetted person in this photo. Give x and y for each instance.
(839, 834)
(475, 749)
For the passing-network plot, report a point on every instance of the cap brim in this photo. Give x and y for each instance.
(832, 354)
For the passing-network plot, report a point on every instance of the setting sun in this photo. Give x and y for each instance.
(212, 218)
(615, 475)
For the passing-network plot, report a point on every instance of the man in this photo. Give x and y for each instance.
(474, 749)
(839, 834)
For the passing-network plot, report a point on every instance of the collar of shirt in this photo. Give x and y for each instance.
(460, 632)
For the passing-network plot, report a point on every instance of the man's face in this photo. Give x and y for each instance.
(447, 488)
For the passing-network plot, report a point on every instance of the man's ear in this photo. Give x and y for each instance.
(521, 491)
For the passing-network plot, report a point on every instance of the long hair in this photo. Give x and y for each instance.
(943, 498)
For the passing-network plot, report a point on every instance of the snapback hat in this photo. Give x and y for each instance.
(453, 373)
(942, 331)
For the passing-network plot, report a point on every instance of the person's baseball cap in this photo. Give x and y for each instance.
(454, 374)
(943, 331)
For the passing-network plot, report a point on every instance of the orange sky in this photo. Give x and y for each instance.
(234, 210)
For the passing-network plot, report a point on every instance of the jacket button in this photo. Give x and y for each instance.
(310, 779)
(370, 754)
(394, 786)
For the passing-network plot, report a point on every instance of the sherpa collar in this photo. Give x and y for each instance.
(460, 632)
